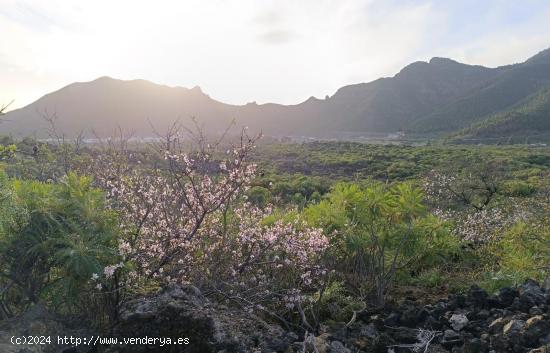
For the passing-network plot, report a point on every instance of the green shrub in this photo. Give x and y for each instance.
(401, 170)
(58, 237)
(336, 304)
(259, 196)
(517, 188)
(431, 277)
(525, 252)
(379, 231)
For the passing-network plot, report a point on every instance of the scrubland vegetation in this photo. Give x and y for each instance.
(282, 230)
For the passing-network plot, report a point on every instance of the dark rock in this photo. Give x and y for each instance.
(530, 295)
(377, 321)
(38, 321)
(450, 335)
(70, 350)
(338, 332)
(495, 312)
(456, 301)
(518, 348)
(499, 343)
(404, 335)
(476, 328)
(543, 349)
(534, 329)
(183, 312)
(517, 305)
(438, 310)
(530, 285)
(477, 296)
(422, 315)
(369, 331)
(513, 327)
(381, 344)
(536, 311)
(481, 315)
(451, 339)
(436, 348)
(510, 311)
(458, 321)
(433, 323)
(496, 325)
(493, 302)
(409, 317)
(338, 347)
(475, 345)
(392, 319)
(505, 296)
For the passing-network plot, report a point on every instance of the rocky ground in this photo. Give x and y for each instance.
(512, 320)
(38, 322)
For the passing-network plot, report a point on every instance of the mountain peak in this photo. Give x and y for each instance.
(442, 61)
(413, 67)
(312, 99)
(435, 61)
(197, 89)
(104, 79)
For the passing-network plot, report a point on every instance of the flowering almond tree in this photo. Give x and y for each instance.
(473, 188)
(185, 221)
(479, 216)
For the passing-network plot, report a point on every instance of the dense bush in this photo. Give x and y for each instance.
(299, 190)
(524, 251)
(518, 188)
(377, 231)
(56, 237)
(259, 196)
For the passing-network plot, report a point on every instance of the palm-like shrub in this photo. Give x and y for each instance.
(378, 231)
(59, 236)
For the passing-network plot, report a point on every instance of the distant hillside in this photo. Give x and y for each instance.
(438, 97)
(512, 85)
(104, 104)
(528, 121)
(392, 104)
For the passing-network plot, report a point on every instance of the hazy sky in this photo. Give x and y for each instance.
(263, 50)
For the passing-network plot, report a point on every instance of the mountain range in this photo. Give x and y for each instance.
(441, 97)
